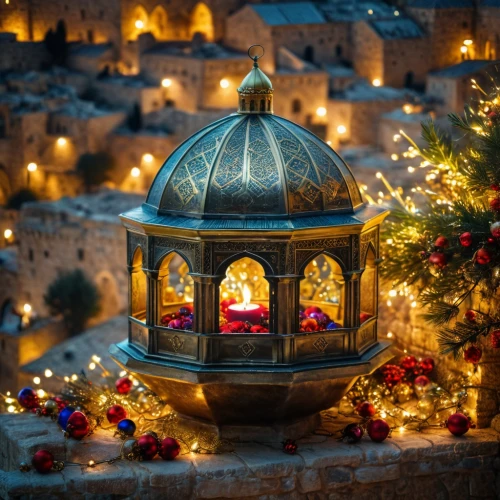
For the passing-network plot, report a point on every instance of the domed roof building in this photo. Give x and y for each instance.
(253, 270)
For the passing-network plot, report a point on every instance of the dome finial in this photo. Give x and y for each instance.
(256, 90)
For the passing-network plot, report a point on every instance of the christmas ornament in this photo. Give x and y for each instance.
(126, 427)
(441, 242)
(495, 229)
(458, 424)
(312, 309)
(42, 461)
(470, 315)
(116, 413)
(78, 425)
(483, 256)
(169, 448)
(392, 374)
(473, 354)
(466, 239)
(366, 409)
(402, 392)
(422, 381)
(308, 325)
(364, 317)
(409, 363)
(64, 415)
(51, 406)
(28, 398)
(258, 329)
(378, 430)
(495, 339)
(495, 187)
(427, 365)
(148, 446)
(495, 204)
(290, 446)
(352, 433)
(123, 385)
(438, 259)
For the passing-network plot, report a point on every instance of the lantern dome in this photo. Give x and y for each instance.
(253, 164)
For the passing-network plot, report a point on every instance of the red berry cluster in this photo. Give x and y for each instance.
(180, 320)
(242, 327)
(290, 447)
(409, 371)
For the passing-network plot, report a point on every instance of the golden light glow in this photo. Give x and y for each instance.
(370, 12)
(48, 373)
(97, 359)
(11, 409)
(7, 234)
(62, 141)
(40, 393)
(463, 49)
(407, 108)
(139, 24)
(92, 366)
(224, 83)
(135, 172)
(341, 129)
(32, 167)
(74, 377)
(321, 111)
(468, 42)
(166, 83)
(36, 380)
(376, 82)
(27, 308)
(394, 157)
(148, 158)
(396, 13)
(247, 295)
(389, 335)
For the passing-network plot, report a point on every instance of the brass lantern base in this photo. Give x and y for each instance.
(238, 400)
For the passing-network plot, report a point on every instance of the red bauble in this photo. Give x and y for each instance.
(116, 413)
(366, 409)
(123, 385)
(28, 398)
(392, 374)
(258, 329)
(422, 381)
(495, 339)
(364, 317)
(409, 363)
(169, 448)
(495, 204)
(42, 461)
(378, 430)
(438, 259)
(483, 256)
(466, 239)
(458, 424)
(427, 365)
(78, 425)
(290, 446)
(312, 309)
(473, 354)
(495, 229)
(148, 446)
(470, 315)
(442, 242)
(495, 187)
(490, 240)
(352, 433)
(309, 324)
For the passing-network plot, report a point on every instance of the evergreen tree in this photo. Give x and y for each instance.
(74, 297)
(56, 44)
(447, 248)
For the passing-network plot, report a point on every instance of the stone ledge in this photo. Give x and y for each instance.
(410, 465)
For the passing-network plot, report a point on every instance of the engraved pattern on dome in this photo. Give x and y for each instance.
(255, 189)
(186, 186)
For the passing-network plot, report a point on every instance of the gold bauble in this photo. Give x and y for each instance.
(402, 392)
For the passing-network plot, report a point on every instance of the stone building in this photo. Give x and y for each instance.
(488, 30)
(392, 52)
(74, 233)
(452, 87)
(21, 55)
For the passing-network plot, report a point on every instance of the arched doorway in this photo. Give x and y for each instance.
(138, 287)
(244, 298)
(139, 22)
(322, 295)
(202, 22)
(175, 293)
(309, 53)
(158, 22)
(409, 80)
(108, 292)
(368, 287)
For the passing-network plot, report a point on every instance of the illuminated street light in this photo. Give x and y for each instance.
(166, 83)
(7, 234)
(463, 49)
(27, 308)
(135, 172)
(341, 129)
(376, 82)
(139, 24)
(224, 83)
(321, 111)
(148, 158)
(468, 42)
(61, 141)
(32, 167)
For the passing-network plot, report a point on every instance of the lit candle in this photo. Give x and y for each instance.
(245, 311)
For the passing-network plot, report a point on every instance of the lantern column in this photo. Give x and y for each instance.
(284, 303)
(206, 302)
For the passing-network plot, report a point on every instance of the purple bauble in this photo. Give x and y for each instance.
(302, 315)
(175, 323)
(332, 326)
(187, 325)
(191, 316)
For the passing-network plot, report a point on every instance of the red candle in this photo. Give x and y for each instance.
(245, 311)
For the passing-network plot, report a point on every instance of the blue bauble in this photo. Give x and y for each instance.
(64, 415)
(332, 326)
(28, 398)
(126, 426)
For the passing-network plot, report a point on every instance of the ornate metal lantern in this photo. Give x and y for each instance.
(254, 228)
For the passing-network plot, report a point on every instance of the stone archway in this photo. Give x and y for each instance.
(139, 22)
(158, 23)
(202, 22)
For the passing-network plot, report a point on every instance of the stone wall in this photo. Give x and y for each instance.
(427, 466)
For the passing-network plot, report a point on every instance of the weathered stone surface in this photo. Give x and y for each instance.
(414, 466)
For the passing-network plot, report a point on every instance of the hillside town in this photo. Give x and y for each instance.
(95, 95)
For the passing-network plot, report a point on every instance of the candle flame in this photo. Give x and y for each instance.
(247, 295)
